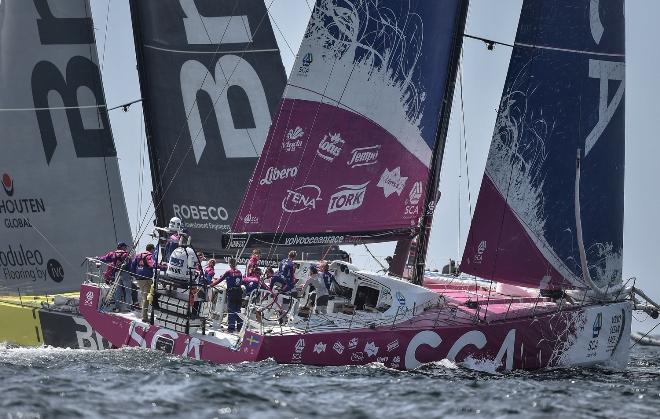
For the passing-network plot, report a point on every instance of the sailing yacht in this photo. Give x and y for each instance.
(62, 197)
(368, 104)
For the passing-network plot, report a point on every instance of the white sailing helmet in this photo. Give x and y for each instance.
(175, 224)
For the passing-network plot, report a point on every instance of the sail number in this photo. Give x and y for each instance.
(231, 72)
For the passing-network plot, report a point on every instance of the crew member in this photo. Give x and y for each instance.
(315, 280)
(117, 261)
(286, 273)
(114, 260)
(143, 266)
(234, 280)
(252, 281)
(175, 227)
(328, 277)
(209, 271)
(253, 262)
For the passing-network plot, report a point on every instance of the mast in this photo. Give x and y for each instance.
(432, 193)
(156, 194)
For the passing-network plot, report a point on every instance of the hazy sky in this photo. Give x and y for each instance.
(483, 79)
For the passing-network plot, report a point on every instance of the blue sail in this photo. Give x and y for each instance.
(559, 136)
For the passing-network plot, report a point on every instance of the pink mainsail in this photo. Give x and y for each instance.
(349, 153)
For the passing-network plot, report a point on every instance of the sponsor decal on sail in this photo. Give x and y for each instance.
(392, 181)
(250, 219)
(208, 217)
(415, 193)
(18, 209)
(8, 184)
(364, 156)
(481, 249)
(348, 198)
(307, 61)
(293, 139)
(301, 199)
(21, 263)
(330, 147)
(274, 174)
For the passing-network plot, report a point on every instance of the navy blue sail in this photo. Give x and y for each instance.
(554, 178)
(211, 76)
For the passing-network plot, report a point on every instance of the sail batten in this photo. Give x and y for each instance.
(564, 95)
(350, 149)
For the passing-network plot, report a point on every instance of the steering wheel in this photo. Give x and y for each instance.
(271, 308)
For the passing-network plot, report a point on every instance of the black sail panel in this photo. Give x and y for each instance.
(61, 197)
(211, 77)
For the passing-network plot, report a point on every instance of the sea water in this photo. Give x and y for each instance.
(49, 382)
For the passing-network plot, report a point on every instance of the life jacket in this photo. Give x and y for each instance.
(172, 244)
(142, 265)
(287, 270)
(114, 260)
(234, 278)
(209, 273)
(328, 278)
(252, 263)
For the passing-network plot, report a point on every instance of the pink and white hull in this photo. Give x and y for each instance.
(517, 334)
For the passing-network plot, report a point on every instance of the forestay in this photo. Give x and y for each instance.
(563, 98)
(348, 156)
(211, 76)
(61, 197)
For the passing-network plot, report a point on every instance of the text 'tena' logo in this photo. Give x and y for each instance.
(301, 199)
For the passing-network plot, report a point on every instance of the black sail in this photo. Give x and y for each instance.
(61, 197)
(211, 77)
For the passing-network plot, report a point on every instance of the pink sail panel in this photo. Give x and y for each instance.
(322, 178)
(499, 248)
(350, 147)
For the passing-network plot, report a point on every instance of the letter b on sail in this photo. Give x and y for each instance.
(231, 72)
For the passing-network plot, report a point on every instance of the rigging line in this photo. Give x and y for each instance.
(465, 145)
(645, 335)
(125, 106)
(282, 33)
(308, 6)
(194, 140)
(460, 175)
(217, 51)
(489, 42)
(43, 236)
(105, 34)
(53, 108)
(374, 257)
(140, 177)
